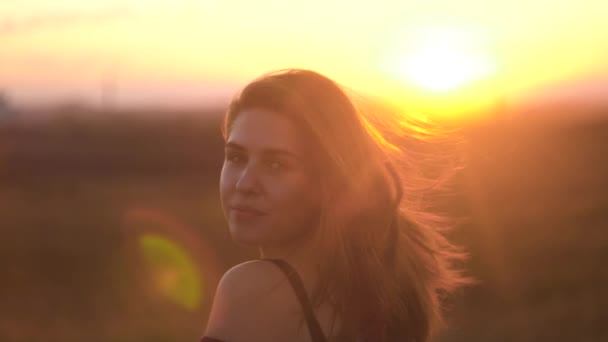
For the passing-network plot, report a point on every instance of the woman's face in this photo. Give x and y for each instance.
(268, 190)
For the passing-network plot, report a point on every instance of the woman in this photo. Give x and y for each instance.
(323, 193)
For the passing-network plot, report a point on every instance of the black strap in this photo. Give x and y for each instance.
(316, 332)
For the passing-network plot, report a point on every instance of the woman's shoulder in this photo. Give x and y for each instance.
(251, 299)
(249, 283)
(250, 279)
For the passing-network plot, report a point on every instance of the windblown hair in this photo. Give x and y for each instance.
(386, 264)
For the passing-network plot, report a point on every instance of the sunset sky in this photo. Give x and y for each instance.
(436, 55)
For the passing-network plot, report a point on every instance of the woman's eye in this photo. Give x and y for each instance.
(234, 158)
(275, 165)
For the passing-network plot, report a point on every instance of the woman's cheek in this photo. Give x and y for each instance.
(284, 188)
(227, 183)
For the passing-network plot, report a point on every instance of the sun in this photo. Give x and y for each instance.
(443, 60)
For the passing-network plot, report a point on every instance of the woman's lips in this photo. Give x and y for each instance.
(246, 213)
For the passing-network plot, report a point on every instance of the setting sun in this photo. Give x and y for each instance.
(444, 60)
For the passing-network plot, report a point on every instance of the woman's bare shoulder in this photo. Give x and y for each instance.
(251, 302)
(253, 277)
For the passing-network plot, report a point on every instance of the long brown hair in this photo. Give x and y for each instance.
(385, 261)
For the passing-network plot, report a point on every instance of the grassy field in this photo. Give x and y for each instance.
(110, 229)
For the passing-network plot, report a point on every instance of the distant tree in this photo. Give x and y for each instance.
(5, 107)
(3, 101)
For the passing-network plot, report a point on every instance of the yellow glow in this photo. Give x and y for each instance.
(173, 270)
(446, 70)
(443, 56)
(445, 60)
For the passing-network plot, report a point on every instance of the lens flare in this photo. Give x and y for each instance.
(173, 270)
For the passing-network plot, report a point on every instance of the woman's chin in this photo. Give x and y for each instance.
(247, 237)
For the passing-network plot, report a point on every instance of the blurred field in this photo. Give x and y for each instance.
(110, 229)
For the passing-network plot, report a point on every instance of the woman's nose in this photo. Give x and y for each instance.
(248, 181)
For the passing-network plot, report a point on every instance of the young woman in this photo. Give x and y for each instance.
(346, 255)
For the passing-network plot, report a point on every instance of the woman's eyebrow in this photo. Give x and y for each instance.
(279, 152)
(267, 151)
(235, 146)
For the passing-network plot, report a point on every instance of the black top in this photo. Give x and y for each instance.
(316, 332)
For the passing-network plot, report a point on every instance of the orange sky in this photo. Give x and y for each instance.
(435, 55)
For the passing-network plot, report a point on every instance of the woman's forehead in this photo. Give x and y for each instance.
(261, 129)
